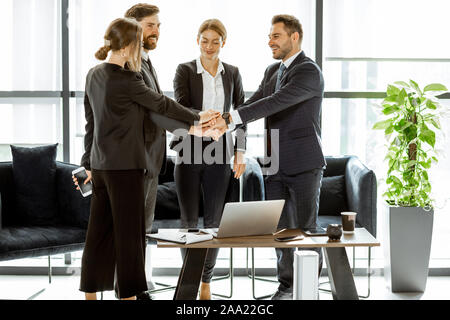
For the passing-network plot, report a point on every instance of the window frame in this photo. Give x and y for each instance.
(66, 94)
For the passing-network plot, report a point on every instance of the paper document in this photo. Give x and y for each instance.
(180, 237)
(211, 231)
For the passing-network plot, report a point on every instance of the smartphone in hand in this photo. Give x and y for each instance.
(81, 175)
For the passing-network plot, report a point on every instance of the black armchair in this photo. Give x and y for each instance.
(348, 185)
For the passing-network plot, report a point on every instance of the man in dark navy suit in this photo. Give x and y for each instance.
(290, 99)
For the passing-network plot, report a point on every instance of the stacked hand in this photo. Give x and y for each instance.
(208, 117)
(211, 124)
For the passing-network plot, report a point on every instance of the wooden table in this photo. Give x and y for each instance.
(339, 271)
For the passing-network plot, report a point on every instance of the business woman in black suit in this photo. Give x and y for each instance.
(115, 159)
(202, 84)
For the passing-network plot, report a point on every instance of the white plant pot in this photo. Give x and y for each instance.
(407, 247)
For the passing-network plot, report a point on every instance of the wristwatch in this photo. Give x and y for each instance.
(226, 117)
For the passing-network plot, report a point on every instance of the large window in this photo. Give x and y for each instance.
(246, 46)
(247, 23)
(362, 45)
(30, 104)
(368, 44)
(31, 46)
(29, 122)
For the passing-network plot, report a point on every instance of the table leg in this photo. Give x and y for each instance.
(340, 274)
(190, 274)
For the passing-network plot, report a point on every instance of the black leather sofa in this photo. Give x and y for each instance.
(347, 186)
(67, 232)
(21, 239)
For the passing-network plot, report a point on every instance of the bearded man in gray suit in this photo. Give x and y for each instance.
(155, 125)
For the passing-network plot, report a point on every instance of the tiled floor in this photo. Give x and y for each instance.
(66, 288)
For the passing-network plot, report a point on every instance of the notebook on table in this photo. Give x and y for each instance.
(175, 235)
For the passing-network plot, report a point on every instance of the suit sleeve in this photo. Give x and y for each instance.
(168, 124)
(181, 92)
(304, 83)
(85, 160)
(238, 100)
(181, 88)
(157, 102)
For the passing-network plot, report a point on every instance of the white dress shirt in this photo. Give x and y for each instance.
(213, 92)
(235, 114)
(144, 54)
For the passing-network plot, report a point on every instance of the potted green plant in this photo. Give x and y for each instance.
(411, 129)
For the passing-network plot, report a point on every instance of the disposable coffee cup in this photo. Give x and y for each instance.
(348, 222)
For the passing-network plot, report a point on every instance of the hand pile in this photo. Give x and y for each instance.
(211, 124)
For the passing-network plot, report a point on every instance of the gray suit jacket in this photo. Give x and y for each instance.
(155, 126)
(294, 110)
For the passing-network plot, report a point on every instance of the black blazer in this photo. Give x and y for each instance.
(155, 126)
(188, 90)
(294, 110)
(115, 100)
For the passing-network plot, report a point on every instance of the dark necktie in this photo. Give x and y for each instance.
(279, 76)
(153, 74)
(268, 127)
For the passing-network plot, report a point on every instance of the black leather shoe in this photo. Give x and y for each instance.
(145, 295)
(282, 295)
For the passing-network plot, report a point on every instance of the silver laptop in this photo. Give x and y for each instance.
(251, 218)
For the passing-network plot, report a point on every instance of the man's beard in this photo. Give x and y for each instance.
(283, 52)
(150, 45)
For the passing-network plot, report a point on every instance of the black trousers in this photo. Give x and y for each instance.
(193, 180)
(115, 240)
(301, 209)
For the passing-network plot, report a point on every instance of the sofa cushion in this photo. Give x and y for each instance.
(8, 193)
(1, 217)
(333, 199)
(18, 242)
(34, 171)
(73, 208)
(167, 206)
